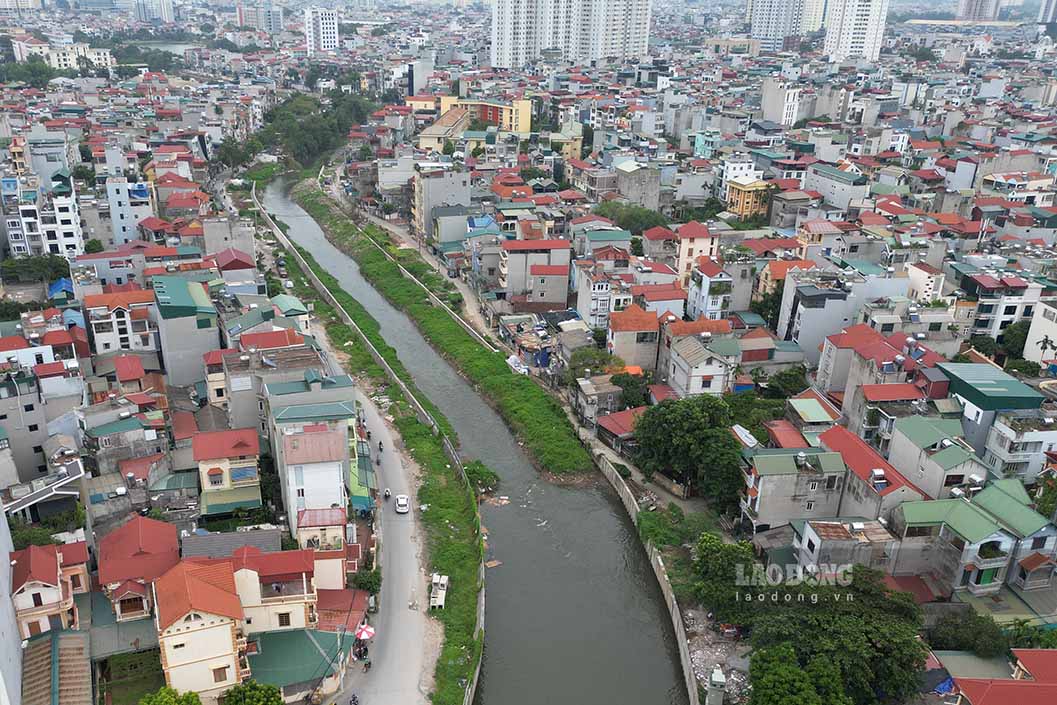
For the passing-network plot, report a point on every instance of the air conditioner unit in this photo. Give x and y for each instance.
(976, 480)
(877, 474)
(957, 492)
(857, 526)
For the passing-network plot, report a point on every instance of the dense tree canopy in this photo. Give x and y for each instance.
(46, 268)
(594, 359)
(631, 217)
(168, 696)
(253, 693)
(690, 441)
(633, 388)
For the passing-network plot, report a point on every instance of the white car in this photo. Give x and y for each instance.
(403, 504)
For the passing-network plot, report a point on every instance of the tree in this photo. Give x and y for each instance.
(45, 268)
(168, 696)
(787, 383)
(449, 148)
(826, 678)
(690, 441)
(636, 247)
(1046, 504)
(631, 217)
(85, 151)
(920, 53)
(477, 152)
(984, 345)
(23, 534)
(768, 306)
(92, 246)
(587, 141)
(1014, 337)
(84, 172)
(1024, 367)
(529, 173)
(364, 154)
(369, 580)
(717, 567)
(970, 631)
(253, 693)
(633, 389)
(777, 678)
(591, 359)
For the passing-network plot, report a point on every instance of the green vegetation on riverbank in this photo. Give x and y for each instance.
(531, 412)
(452, 523)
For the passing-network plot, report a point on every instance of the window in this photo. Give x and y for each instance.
(75, 581)
(887, 327)
(933, 327)
(953, 480)
(812, 486)
(284, 619)
(32, 428)
(1038, 543)
(37, 600)
(811, 546)
(28, 407)
(216, 480)
(1009, 311)
(809, 506)
(178, 646)
(831, 482)
(38, 449)
(220, 674)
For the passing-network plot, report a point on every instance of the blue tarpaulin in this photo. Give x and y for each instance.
(944, 687)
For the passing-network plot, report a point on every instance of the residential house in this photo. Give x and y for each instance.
(596, 396)
(187, 327)
(782, 485)
(701, 365)
(130, 559)
(227, 469)
(122, 321)
(695, 240)
(44, 580)
(873, 488)
(517, 257)
(932, 452)
(632, 336)
(313, 470)
(710, 290)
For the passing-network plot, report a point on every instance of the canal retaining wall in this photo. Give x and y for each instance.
(421, 412)
(627, 498)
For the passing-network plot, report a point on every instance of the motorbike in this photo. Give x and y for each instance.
(387, 494)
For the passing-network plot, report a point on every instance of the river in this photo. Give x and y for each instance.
(574, 613)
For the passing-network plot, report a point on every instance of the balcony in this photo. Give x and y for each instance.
(747, 507)
(278, 593)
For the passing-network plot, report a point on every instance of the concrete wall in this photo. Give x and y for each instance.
(10, 643)
(183, 344)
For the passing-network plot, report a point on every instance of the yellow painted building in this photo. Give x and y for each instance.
(747, 197)
(508, 116)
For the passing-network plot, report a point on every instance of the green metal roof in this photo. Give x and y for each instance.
(304, 385)
(925, 431)
(289, 305)
(989, 388)
(1007, 502)
(783, 462)
(213, 502)
(176, 481)
(810, 410)
(119, 426)
(836, 174)
(331, 411)
(180, 298)
(608, 235)
(967, 520)
(298, 656)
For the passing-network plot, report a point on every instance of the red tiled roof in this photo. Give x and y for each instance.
(269, 340)
(320, 517)
(35, 564)
(123, 299)
(658, 232)
(142, 549)
(622, 423)
(780, 268)
(660, 392)
(701, 325)
(518, 245)
(74, 553)
(784, 434)
(184, 425)
(543, 270)
(57, 337)
(49, 369)
(216, 357)
(980, 691)
(191, 586)
(861, 459)
(215, 445)
(693, 229)
(1041, 663)
(891, 392)
(232, 259)
(13, 342)
(128, 368)
(139, 467)
(633, 318)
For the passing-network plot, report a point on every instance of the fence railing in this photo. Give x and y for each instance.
(631, 504)
(421, 412)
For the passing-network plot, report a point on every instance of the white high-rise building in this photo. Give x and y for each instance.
(855, 28)
(774, 20)
(813, 16)
(1048, 12)
(263, 16)
(321, 30)
(582, 30)
(978, 10)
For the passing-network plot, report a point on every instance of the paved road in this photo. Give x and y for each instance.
(397, 650)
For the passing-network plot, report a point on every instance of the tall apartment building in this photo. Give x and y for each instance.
(130, 203)
(581, 31)
(262, 16)
(1048, 12)
(774, 20)
(780, 101)
(978, 10)
(433, 185)
(154, 11)
(813, 16)
(855, 28)
(321, 30)
(43, 221)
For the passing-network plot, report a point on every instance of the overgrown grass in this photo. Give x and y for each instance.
(263, 173)
(672, 530)
(530, 411)
(452, 523)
